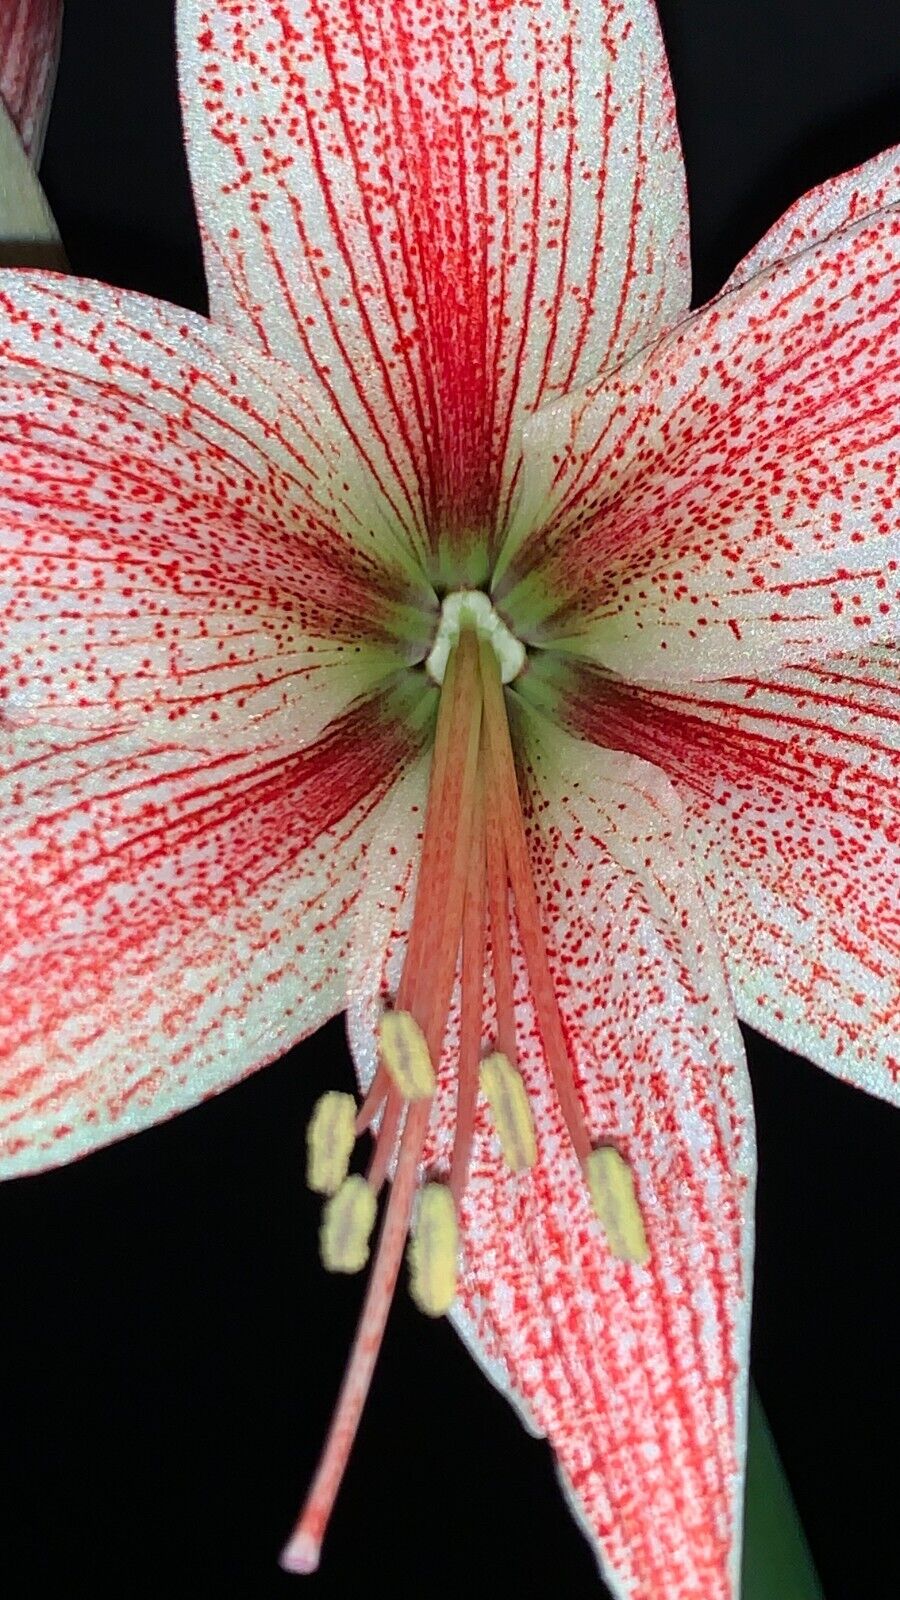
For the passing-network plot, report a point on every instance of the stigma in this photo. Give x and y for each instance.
(474, 874)
(472, 609)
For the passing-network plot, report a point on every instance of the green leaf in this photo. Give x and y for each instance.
(776, 1563)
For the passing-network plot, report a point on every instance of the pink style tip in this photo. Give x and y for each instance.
(301, 1553)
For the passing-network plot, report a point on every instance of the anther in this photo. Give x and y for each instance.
(405, 1054)
(347, 1222)
(508, 1100)
(330, 1138)
(433, 1251)
(611, 1183)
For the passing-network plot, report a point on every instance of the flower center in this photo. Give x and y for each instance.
(471, 608)
(474, 870)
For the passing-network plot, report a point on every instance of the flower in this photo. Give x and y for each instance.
(29, 49)
(218, 733)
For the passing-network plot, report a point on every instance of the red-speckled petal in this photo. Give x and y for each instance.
(829, 208)
(182, 537)
(445, 212)
(791, 789)
(169, 922)
(730, 501)
(636, 1374)
(29, 49)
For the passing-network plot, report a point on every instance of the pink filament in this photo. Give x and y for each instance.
(504, 789)
(425, 989)
(474, 859)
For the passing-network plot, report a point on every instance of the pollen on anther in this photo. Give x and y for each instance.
(330, 1138)
(405, 1054)
(433, 1251)
(611, 1183)
(347, 1221)
(508, 1099)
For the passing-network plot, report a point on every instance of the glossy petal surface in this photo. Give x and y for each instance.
(170, 920)
(445, 212)
(634, 1373)
(791, 791)
(829, 208)
(29, 46)
(182, 537)
(187, 598)
(729, 502)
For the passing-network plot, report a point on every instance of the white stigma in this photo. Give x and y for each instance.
(471, 608)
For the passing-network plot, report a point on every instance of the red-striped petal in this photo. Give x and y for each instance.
(170, 921)
(445, 214)
(729, 501)
(829, 208)
(636, 1374)
(29, 48)
(791, 788)
(184, 538)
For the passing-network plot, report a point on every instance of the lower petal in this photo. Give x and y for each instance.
(636, 1374)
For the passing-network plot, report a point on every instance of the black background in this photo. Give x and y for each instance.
(171, 1346)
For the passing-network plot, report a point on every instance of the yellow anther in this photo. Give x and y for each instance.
(508, 1100)
(432, 1251)
(405, 1055)
(330, 1137)
(611, 1184)
(347, 1221)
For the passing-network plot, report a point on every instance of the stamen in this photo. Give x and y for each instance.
(405, 1054)
(471, 1003)
(424, 994)
(375, 1098)
(475, 864)
(445, 896)
(386, 1139)
(347, 1221)
(452, 778)
(433, 1251)
(501, 947)
(611, 1183)
(508, 1100)
(504, 791)
(330, 1138)
(301, 1553)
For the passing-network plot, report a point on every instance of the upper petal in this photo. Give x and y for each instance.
(829, 208)
(636, 1374)
(791, 792)
(29, 48)
(446, 215)
(171, 920)
(729, 500)
(184, 536)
